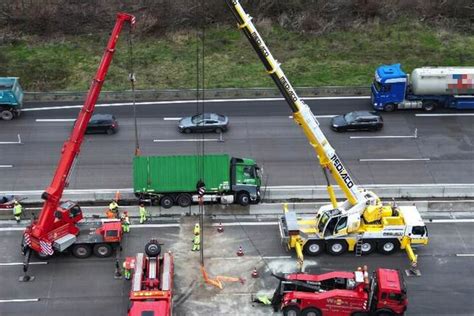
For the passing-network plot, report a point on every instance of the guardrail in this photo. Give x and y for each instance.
(282, 193)
(190, 94)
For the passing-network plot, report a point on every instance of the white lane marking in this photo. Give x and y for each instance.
(54, 120)
(21, 263)
(251, 257)
(20, 300)
(397, 159)
(154, 225)
(11, 229)
(465, 255)
(6, 166)
(190, 101)
(318, 116)
(447, 114)
(460, 220)
(360, 137)
(246, 224)
(186, 140)
(172, 118)
(13, 143)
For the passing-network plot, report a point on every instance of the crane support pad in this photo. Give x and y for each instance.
(138, 273)
(166, 275)
(64, 242)
(291, 222)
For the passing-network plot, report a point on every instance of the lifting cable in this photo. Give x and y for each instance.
(132, 79)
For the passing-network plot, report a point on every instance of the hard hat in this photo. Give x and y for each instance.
(125, 212)
(197, 225)
(16, 202)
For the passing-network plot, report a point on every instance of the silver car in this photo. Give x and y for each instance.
(205, 122)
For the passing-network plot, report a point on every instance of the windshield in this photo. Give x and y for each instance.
(377, 85)
(197, 118)
(350, 117)
(322, 222)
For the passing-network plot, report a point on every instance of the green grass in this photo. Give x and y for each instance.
(339, 58)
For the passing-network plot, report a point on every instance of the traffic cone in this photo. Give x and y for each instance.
(220, 229)
(255, 273)
(240, 252)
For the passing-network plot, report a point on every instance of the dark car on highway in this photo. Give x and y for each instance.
(7, 201)
(102, 123)
(205, 122)
(357, 121)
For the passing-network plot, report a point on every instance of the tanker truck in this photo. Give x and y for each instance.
(426, 88)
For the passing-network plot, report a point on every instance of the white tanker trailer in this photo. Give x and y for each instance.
(427, 88)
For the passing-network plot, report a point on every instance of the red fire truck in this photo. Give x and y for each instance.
(341, 293)
(151, 291)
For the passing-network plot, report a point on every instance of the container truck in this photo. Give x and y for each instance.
(426, 88)
(170, 180)
(11, 98)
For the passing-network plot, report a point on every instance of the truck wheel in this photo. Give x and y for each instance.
(166, 201)
(388, 247)
(389, 107)
(6, 115)
(291, 311)
(103, 250)
(384, 312)
(367, 247)
(429, 106)
(311, 311)
(313, 247)
(184, 200)
(243, 199)
(81, 251)
(152, 248)
(336, 247)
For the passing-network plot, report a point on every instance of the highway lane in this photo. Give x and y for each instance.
(76, 287)
(261, 130)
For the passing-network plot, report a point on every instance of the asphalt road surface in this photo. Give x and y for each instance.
(441, 153)
(69, 286)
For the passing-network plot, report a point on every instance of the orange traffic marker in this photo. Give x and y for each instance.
(255, 273)
(220, 229)
(240, 252)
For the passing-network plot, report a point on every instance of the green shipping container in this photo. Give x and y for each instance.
(168, 174)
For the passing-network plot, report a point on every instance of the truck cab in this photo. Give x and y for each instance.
(11, 98)
(246, 180)
(388, 292)
(389, 87)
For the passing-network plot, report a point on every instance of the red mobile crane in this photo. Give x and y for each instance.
(57, 227)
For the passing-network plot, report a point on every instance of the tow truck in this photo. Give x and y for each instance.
(361, 223)
(341, 293)
(151, 290)
(60, 225)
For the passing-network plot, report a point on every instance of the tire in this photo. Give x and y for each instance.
(313, 247)
(152, 248)
(389, 107)
(166, 201)
(6, 115)
(184, 200)
(103, 250)
(243, 198)
(368, 247)
(388, 246)
(336, 247)
(291, 310)
(187, 131)
(429, 106)
(81, 251)
(360, 314)
(218, 130)
(311, 311)
(384, 312)
(110, 131)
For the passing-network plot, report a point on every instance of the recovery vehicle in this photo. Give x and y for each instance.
(361, 223)
(60, 225)
(426, 88)
(151, 290)
(341, 293)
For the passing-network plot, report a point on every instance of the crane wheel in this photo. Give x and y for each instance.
(152, 248)
(388, 246)
(291, 311)
(336, 247)
(311, 311)
(313, 247)
(81, 251)
(367, 247)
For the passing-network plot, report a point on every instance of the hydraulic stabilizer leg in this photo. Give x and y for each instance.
(26, 263)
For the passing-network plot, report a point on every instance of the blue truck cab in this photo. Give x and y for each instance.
(11, 98)
(389, 87)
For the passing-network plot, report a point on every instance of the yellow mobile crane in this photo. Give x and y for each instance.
(361, 223)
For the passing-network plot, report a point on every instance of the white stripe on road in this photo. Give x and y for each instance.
(13, 143)
(190, 101)
(447, 114)
(55, 120)
(460, 220)
(154, 225)
(186, 140)
(20, 300)
(360, 137)
(11, 229)
(318, 116)
(465, 255)
(21, 263)
(172, 118)
(251, 257)
(397, 159)
(6, 166)
(246, 224)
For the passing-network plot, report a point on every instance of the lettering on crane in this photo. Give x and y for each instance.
(260, 44)
(342, 171)
(289, 89)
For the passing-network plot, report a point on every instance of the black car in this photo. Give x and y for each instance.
(205, 122)
(7, 201)
(102, 123)
(358, 120)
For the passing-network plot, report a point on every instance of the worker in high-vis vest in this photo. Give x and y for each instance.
(197, 229)
(127, 274)
(112, 212)
(17, 210)
(125, 222)
(143, 213)
(197, 242)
